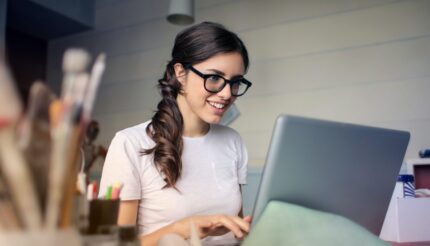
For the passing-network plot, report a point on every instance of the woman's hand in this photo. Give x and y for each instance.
(213, 225)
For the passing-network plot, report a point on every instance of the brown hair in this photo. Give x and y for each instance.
(193, 45)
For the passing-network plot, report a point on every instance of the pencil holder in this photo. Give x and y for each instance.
(102, 216)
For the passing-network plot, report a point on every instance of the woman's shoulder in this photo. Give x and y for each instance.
(139, 129)
(136, 135)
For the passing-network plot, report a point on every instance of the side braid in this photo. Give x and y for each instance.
(166, 129)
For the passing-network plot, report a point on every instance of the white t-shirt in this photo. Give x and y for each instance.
(213, 166)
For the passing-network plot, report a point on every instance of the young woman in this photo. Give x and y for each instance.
(181, 166)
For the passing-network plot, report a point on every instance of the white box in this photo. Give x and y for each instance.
(407, 220)
(414, 219)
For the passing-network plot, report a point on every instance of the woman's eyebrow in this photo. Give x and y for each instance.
(218, 72)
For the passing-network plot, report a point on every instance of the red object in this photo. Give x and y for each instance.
(95, 189)
(422, 176)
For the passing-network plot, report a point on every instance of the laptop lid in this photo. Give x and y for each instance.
(334, 167)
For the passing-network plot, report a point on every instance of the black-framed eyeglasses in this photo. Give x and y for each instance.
(214, 83)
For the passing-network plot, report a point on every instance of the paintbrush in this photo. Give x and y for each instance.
(75, 61)
(9, 219)
(95, 79)
(85, 97)
(70, 190)
(194, 236)
(70, 119)
(70, 179)
(56, 159)
(65, 134)
(14, 167)
(35, 139)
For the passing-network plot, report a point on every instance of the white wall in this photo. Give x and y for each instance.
(362, 61)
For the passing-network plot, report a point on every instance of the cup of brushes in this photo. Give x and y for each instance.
(40, 148)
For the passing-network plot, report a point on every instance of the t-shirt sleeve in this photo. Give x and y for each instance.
(121, 166)
(242, 167)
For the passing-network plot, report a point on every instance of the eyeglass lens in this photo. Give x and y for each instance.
(216, 83)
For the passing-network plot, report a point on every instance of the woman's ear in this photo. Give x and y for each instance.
(179, 72)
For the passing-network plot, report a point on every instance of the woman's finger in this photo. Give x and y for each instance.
(203, 225)
(243, 224)
(248, 218)
(202, 222)
(231, 225)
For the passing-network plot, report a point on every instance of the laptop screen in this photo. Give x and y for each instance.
(345, 169)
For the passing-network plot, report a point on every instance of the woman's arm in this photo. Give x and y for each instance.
(127, 214)
(207, 225)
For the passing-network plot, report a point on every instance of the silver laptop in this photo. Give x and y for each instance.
(339, 168)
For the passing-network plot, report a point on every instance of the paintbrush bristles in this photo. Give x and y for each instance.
(101, 58)
(75, 60)
(95, 79)
(80, 87)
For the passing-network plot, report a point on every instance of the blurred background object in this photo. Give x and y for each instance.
(94, 153)
(181, 12)
(35, 137)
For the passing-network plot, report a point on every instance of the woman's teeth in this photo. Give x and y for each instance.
(217, 105)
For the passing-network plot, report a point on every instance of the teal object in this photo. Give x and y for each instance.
(288, 224)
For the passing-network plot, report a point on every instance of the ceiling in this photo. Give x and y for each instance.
(50, 19)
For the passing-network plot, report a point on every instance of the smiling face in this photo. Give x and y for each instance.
(199, 106)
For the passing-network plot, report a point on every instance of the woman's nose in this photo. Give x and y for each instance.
(225, 93)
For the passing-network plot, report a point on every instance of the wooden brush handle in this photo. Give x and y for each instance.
(70, 188)
(19, 180)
